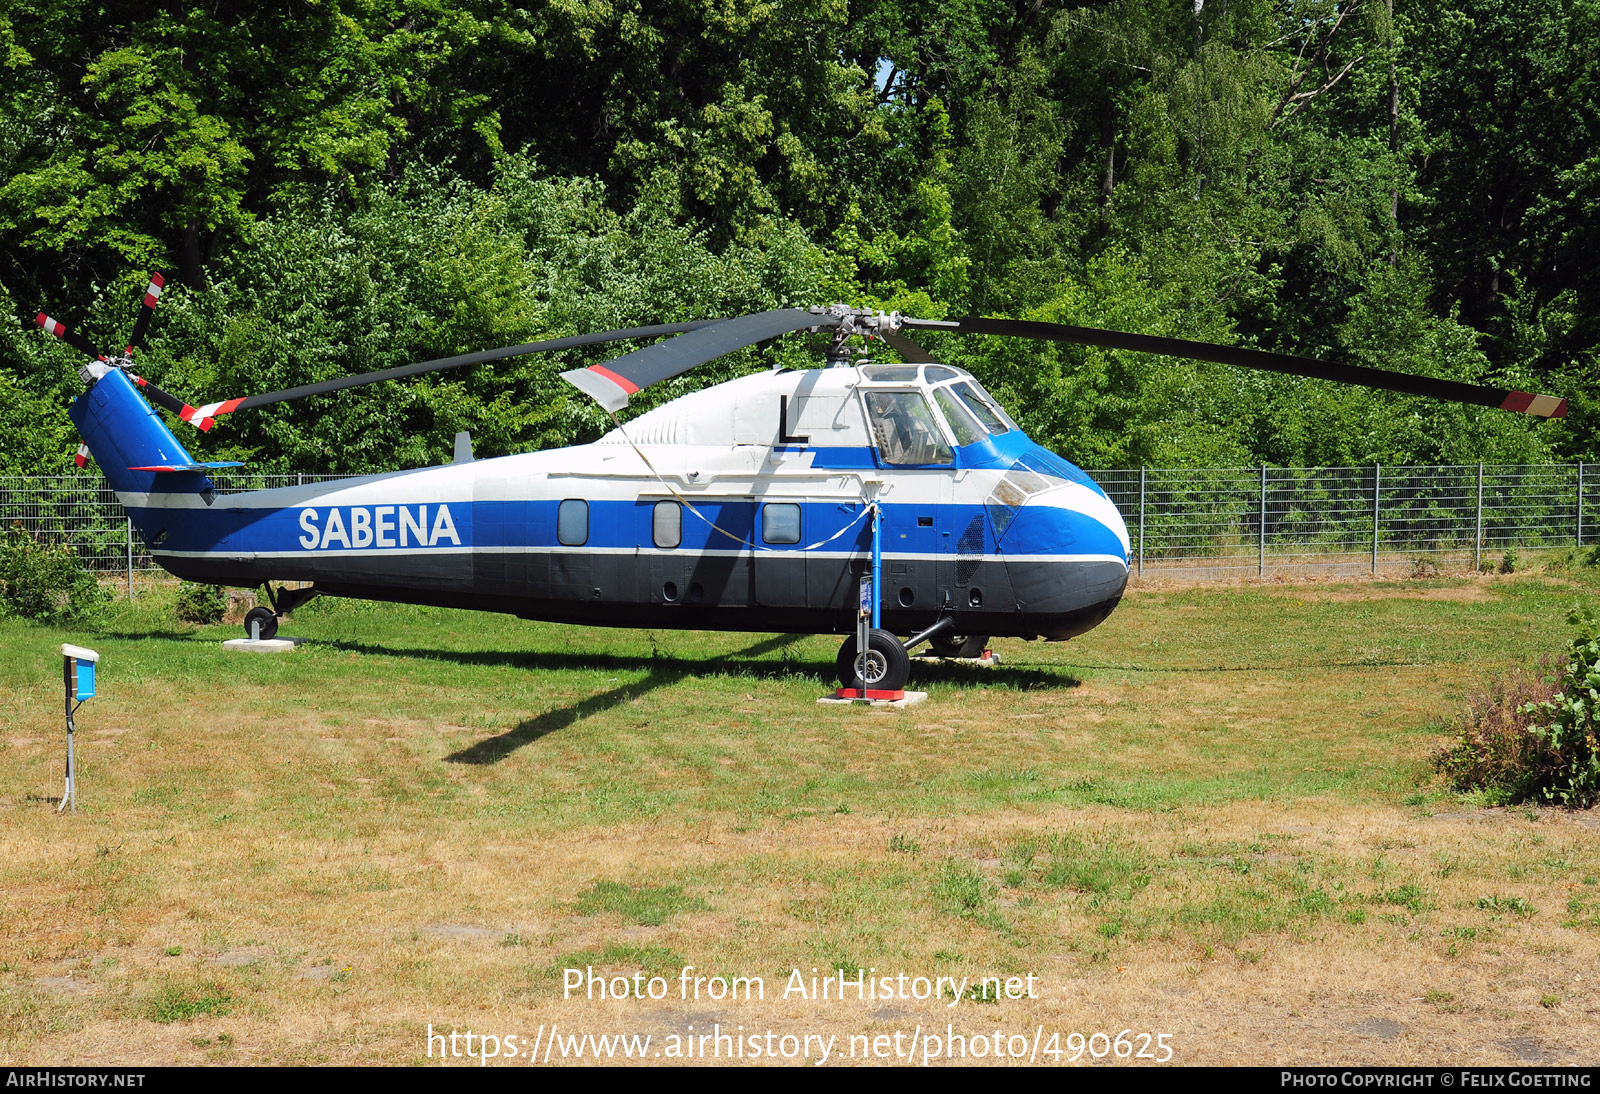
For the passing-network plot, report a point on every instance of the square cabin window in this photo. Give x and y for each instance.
(572, 523)
(666, 524)
(780, 522)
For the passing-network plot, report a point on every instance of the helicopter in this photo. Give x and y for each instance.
(816, 501)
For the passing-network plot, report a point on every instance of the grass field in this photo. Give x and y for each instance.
(1213, 817)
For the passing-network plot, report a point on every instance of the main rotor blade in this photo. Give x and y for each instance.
(610, 384)
(1544, 406)
(908, 350)
(212, 410)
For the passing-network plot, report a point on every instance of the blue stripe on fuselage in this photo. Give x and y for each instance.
(409, 528)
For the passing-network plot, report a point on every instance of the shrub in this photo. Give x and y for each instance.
(45, 584)
(201, 603)
(1534, 736)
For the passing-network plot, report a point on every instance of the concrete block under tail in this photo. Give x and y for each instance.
(262, 645)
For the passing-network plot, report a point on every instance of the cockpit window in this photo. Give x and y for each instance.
(991, 416)
(900, 374)
(962, 423)
(935, 373)
(905, 429)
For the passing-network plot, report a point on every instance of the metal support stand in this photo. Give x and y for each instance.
(1141, 522)
(1377, 489)
(877, 567)
(77, 677)
(1477, 539)
(69, 796)
(867, 613)
(1261, 558)
(129, 546)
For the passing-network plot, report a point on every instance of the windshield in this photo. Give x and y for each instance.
(904, 428)
(986, 410)
(962, 423)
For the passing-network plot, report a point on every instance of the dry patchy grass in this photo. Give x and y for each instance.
(1211, 817)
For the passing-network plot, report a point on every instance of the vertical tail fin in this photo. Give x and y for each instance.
(122, 432)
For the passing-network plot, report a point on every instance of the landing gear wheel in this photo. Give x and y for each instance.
(885, 666)
(266, 616)
(959, 645)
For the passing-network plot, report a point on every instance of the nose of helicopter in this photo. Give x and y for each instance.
(1067, 553)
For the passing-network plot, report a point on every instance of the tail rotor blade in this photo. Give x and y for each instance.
(152, 296)
(171, 402)
(70, 337)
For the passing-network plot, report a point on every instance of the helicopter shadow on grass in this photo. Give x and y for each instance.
(725, 664)
(661, 672)
(664, 671)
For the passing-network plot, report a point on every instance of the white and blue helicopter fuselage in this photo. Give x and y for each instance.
(744, 506)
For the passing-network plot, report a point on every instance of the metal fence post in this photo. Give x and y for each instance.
(1377, 489)
(1477, 539)
(1579, 536)
(1261, 557)
(1141, 522)
(129, 522)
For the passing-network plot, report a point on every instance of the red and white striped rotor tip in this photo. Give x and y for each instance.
(50, 325)
(81, 459)
(208, 413)
(1544, 406)
(204, 417)
(152, 293)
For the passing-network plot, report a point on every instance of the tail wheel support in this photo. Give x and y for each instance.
(262, 621)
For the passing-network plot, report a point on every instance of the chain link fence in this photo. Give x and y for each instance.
(82, 510)
(1211, 522)
(1183, 523)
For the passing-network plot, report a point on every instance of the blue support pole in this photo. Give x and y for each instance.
(877, 564)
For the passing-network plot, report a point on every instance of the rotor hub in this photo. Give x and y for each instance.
(846, 323)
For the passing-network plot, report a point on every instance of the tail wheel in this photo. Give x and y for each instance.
(883, 666)
(959, 645)
(266, 617)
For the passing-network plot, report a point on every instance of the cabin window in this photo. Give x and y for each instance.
(961, 421)
(572, 523)
(666, 524)
(900, 374)
(904, 428)
(780, 522)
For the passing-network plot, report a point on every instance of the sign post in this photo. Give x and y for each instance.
(77, 673)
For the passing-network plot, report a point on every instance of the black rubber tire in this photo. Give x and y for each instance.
(268, 618)
(889, 666)
(959, 645)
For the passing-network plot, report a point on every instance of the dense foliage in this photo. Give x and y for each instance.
(1537, 739)
(45, 583)
(349, 186)
(198, 603)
